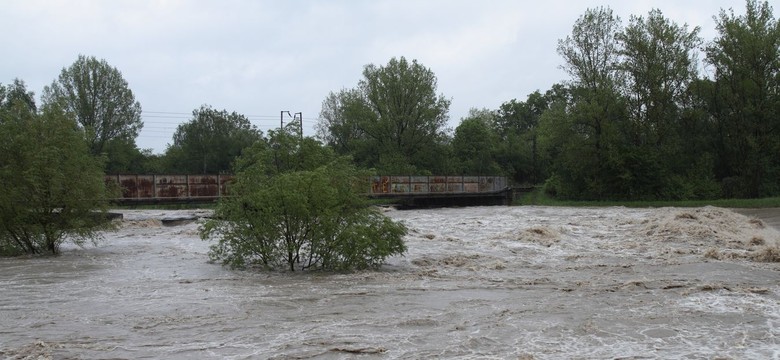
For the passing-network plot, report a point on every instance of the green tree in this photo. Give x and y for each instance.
(659, 64)
(124, 157)
(591, 53)
(474, 144)
(98, 97)
(152, 163)
(517, 123)
(590, 164)
(391, 120)
(210, 142)
(53, 186)
(16, 95)
(289, 213)
(559, 141)
(338, 126)
(746, 60)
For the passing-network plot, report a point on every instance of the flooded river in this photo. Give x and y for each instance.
(481, 282)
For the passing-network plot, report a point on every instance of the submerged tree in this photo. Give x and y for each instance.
(295, 205)
(53, 188)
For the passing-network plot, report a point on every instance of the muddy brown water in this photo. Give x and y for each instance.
(771, 216)
(484, 282)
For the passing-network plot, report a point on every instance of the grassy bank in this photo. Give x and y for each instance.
(538, 197)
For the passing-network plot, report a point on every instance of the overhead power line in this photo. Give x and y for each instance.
(183, 115)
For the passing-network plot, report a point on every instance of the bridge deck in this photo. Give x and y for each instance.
(411, 190)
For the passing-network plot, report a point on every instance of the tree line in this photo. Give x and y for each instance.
(638, 120)
(640, 117)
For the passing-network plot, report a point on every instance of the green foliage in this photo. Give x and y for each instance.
(474, 144)
(289, 211)
(746, 100)
(124, 157)
(628, 126)
(98, 97)
(635, 120)
(584, 133)
(16, 96)
(339, 128)
(517, 123)
(658, 63)
(53, 188)
(210, 142)
(591, 52)
(283, 152)
(392, 121)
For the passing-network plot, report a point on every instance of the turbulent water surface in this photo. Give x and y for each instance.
(484, 282)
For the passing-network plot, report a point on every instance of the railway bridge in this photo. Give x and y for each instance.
(407, 190)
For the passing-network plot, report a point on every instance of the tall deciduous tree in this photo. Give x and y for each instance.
(391, 119)
(517, 123)
(338, 126)
(98, 97)
(591, 56)
(17, 95)
(659, 65)
(746, 59)
(210, 142)
(591, 53)
(659, 62)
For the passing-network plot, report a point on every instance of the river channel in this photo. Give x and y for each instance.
(480, 282)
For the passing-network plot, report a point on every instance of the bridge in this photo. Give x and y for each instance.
(406, 190)
(442, 190)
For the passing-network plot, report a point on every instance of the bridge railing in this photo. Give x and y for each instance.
(140, 188)
(171, 188)
(434, 185)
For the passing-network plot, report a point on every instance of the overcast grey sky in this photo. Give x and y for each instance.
(261, 57)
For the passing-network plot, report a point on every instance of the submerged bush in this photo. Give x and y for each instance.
(298, 218)
(53, 189)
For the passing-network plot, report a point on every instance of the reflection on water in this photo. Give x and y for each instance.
(502, 282)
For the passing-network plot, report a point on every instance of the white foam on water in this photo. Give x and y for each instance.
(482, 282)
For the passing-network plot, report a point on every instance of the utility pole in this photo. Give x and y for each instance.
(300, 117)
(281, 118)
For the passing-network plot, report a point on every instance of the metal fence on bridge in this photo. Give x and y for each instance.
(150, 188)
(191, 188)
(431, 185)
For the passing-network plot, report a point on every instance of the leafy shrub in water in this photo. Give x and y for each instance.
(53, 189)
(298, 218)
